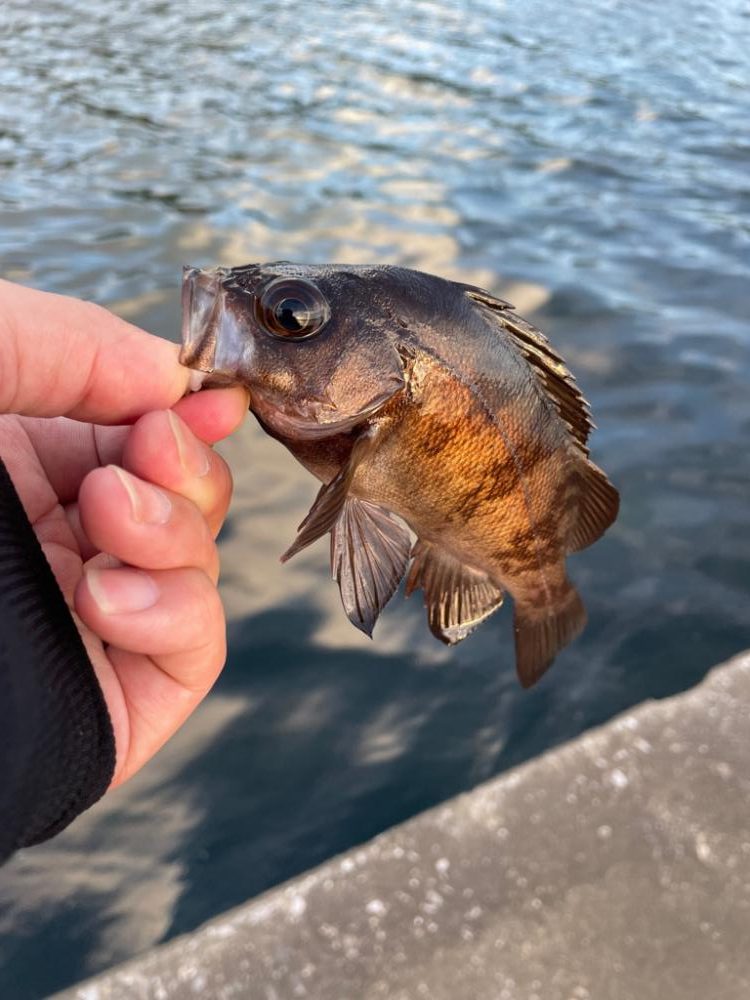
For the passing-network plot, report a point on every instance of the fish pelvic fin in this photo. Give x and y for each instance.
(598, 507)
(370, 552)
(541, 634)
(331, 496)
(457, 597)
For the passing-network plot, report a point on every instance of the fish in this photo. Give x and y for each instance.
(449, 436)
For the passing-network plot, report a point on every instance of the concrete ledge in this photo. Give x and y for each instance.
(615, 867)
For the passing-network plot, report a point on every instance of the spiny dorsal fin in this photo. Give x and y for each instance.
(457, 597)
(552, 372)
(369, 555)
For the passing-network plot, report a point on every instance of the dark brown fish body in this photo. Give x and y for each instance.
(434, 402)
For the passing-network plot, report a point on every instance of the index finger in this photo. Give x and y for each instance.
(61, 356)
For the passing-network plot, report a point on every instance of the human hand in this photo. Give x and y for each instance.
(126, 515)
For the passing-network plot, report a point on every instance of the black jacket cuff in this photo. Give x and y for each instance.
(57, 750)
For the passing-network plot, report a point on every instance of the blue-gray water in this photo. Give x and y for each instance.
(591, 161)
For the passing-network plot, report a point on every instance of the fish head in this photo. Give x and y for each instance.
(312, 344)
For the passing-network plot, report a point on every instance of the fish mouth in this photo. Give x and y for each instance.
(312, 427)
(215, 340)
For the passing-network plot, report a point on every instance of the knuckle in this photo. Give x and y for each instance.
(223, 486)
(206, 613)
(213, 563)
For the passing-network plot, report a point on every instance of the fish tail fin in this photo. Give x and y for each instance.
(599, 504)
(540, 635)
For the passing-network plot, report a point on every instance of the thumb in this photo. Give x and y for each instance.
(60, 356)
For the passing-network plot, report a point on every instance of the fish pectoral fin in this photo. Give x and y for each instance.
(457, 597)
(369, 555)
(541, 634)
(331, 496)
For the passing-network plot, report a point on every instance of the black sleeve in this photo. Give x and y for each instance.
(57, 749)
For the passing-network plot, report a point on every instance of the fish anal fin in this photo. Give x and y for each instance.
(599, 503)
(331, 496)
(457, 597)
(540, 636)
(552, 373)
(369, 555)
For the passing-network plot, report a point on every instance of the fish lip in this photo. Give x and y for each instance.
(293, 425)
(198, 333)
(214, 338)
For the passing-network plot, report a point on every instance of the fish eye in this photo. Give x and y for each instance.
(292, 308)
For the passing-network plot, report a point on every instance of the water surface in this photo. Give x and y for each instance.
(592, 163)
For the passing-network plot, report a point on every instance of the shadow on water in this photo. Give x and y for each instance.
(336, 746)
(70, 933)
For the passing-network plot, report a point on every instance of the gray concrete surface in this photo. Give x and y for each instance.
(616, 867)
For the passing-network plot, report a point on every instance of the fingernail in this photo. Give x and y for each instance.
(120, 591)
(194, 456)
(148, 504)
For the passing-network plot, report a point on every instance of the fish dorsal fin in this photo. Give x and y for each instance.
(331, 496)
(457, 597)
(369, 555)
(551, 371)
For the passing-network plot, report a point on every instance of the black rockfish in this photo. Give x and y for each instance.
(422, 402)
